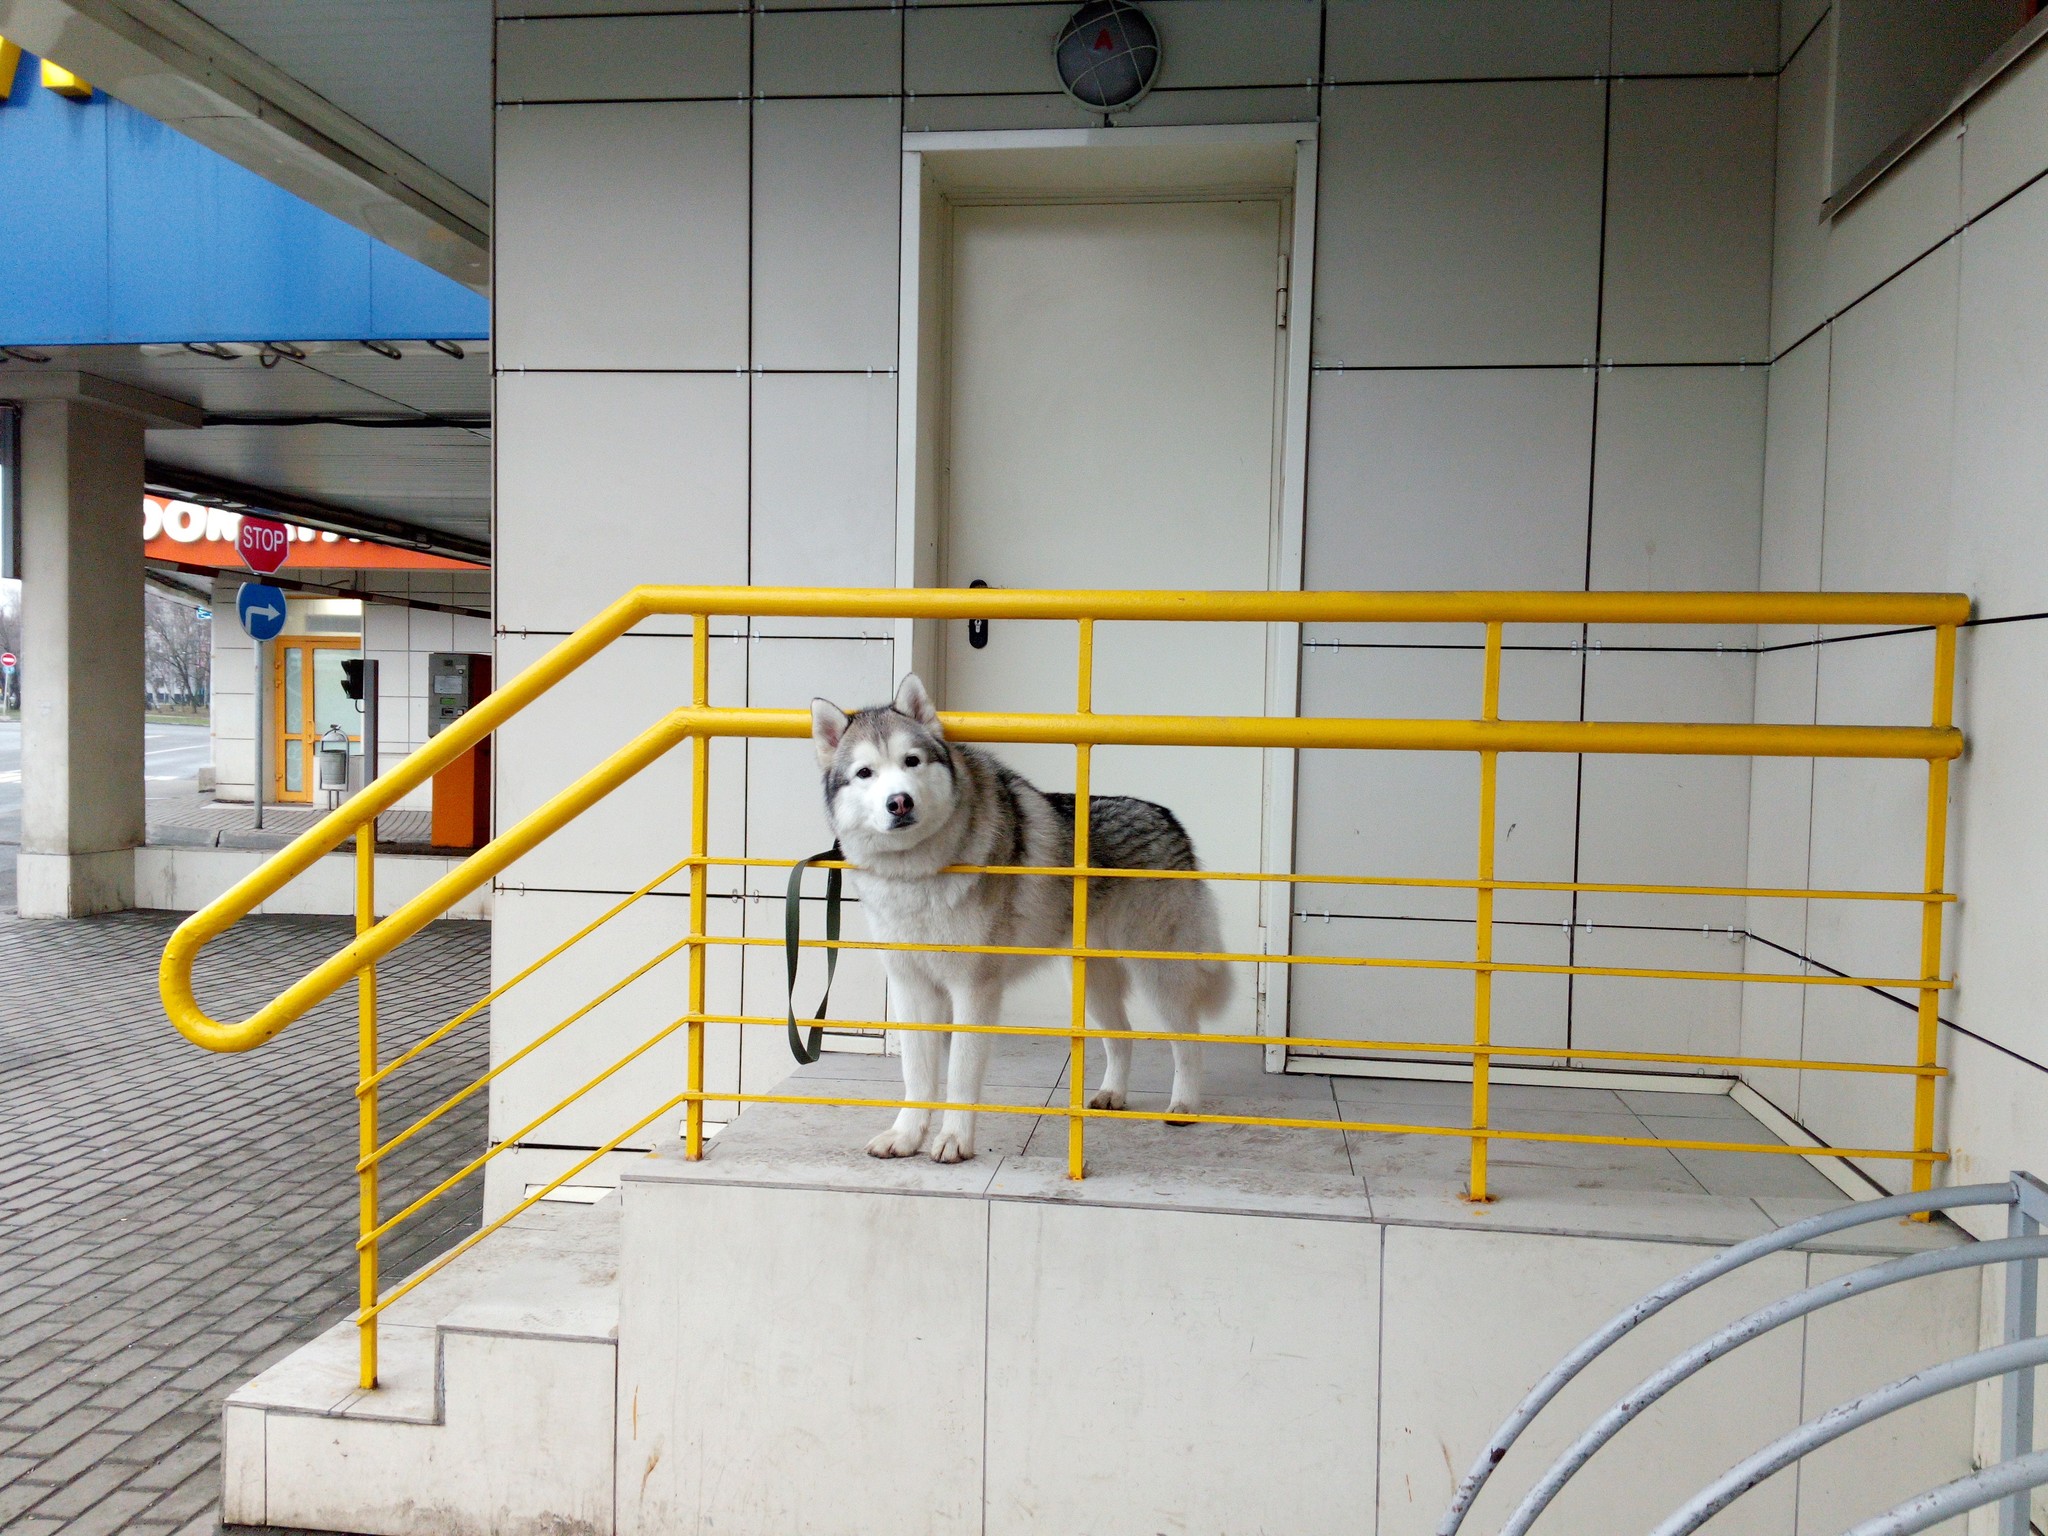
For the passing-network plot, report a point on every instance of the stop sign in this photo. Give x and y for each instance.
(262, 544)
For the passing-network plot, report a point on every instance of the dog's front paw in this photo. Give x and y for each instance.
(897, 1141)
(952, 1147)
(1108, 1098)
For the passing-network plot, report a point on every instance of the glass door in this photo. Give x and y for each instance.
(306, 701)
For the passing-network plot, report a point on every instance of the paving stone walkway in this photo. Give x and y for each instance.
(193, 820)
(172, 1221)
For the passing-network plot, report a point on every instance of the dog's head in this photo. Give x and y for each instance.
(889, 775)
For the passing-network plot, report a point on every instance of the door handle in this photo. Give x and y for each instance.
(977, 629)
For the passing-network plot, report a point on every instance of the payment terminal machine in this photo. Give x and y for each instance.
(457, 681)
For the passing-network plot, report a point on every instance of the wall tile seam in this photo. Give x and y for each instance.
(1581, 365)
(1799, 47)
(1618, 77)
(1953, 235)
(1587, 925)
(683, 634)
(733, 371)
(1947, 1023)
(1696, 1242)
(1163, 93)
(749, 97)
(1596, 647)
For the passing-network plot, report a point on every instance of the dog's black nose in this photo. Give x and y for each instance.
(898, 804)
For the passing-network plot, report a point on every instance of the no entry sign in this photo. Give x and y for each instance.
(263, 543)
(6, 661)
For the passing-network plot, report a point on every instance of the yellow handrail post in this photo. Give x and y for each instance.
(1077, 1050)
(1482, 978)
(1930, 912)
(366, 1107)
(700, 875)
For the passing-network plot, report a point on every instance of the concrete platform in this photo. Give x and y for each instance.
(198, 847)
(174, 879)
(194, 819)
(1221, 1330)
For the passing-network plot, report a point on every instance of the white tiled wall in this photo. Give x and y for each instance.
(1460, 224)
(1547, 304)
(1462, 40)
(1688, 236)
(1481, 258)
(608, 478)
(1904, 438)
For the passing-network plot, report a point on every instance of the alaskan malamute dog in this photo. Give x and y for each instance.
(905, 803)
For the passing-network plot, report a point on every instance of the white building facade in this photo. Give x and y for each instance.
(1578, 322)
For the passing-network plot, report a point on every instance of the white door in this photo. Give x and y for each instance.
(1111, 399)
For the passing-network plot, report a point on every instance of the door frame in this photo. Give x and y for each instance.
(922, 302)
(279, 795)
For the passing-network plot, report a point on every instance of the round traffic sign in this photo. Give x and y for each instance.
(263, 543)
(261, 609)
(8, 660)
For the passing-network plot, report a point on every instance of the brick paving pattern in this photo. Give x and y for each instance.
(173, 1221)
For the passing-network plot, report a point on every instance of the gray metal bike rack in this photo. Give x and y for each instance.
(2020, 1468)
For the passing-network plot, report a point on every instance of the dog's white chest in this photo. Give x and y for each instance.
(939, 909)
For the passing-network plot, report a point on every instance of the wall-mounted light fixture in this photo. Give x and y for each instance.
(1108, 55)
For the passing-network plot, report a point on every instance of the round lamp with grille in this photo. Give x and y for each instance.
(1108, 55)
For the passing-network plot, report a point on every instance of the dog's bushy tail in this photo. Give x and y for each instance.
(1193, 990)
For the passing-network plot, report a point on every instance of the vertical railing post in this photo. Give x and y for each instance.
(700, 874)
(1077, 1050)
(2022, 1301)
(366, 1110)
(1482, 977)
(1929, 1043)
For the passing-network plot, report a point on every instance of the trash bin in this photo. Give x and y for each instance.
(332, 758)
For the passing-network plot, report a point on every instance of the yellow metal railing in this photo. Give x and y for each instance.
(1936, 743)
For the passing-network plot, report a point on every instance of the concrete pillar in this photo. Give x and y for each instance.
(81, 619)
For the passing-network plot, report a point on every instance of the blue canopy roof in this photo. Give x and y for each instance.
(116, 229)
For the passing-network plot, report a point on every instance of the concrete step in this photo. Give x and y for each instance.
(494, 1411)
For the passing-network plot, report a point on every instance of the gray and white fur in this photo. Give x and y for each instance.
(906, 803)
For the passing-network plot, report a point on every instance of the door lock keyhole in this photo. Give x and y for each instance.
(977, 629)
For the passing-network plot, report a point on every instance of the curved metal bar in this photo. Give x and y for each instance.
(1839, 1420)
(1762, 1321)
(1929, 1509)
(1677, 1288)
(175, 972)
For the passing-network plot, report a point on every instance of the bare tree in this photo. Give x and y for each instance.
(177, 650)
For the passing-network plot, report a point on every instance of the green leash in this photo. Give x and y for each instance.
(809, 1051)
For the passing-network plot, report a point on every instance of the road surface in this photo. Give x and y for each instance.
(171, 755)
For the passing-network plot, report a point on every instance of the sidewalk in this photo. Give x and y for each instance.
(188, 819)
(172, 1221)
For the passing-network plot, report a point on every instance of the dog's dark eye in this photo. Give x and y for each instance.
(912, 761)
(863, 773)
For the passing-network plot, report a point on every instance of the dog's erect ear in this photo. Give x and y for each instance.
(828, 724)
(912, 700)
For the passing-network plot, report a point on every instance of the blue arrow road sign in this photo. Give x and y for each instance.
(260, 607)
